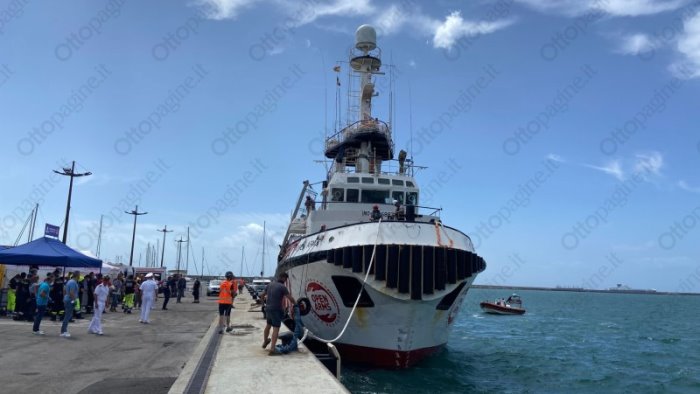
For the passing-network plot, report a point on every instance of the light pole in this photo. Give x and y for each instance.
(136, 213)
(71, 173)
(179, 252)
(164, 231)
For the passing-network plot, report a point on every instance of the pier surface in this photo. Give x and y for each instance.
(179, 352)
(129, 358)
(240, 364)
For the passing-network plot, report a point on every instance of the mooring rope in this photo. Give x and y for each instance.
(357, 300)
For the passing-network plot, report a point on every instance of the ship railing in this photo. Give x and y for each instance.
(359, 127)
(389, 167)
(433, 212)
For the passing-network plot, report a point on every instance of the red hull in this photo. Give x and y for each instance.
(385, 358)
(486, 306)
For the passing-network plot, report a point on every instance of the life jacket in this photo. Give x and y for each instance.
(226, 292)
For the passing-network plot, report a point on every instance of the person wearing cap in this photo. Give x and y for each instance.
(42, 302)
(101, 302)
(69, 299)
(149, 291)
(274, 295)
(227, 292)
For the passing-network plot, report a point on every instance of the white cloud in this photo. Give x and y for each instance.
(391, 20)
(648, 163)
(300, 13)
(454, 27)
(306, 14)
(689, 47)
(412, 63)
(610, 7)
(613, 168)
(224, 9)
(555, 157)
(634, 44)
(637, 7)
(685, 186)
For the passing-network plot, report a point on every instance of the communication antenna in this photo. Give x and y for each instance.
(410, 121)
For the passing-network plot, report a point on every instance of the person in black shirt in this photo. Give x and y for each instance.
(195, 290)
(165, 289)
(129, 288)
(22, 296)
(56, 296)
(181, 286)
(12, 294)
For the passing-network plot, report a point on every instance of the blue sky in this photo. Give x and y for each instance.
(561, 135)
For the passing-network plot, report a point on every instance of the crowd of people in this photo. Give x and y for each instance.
(66, 297)
(69, 297)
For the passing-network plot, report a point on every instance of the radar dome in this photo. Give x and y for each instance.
(365, 38)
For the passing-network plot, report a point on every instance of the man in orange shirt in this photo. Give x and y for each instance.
(227, 292)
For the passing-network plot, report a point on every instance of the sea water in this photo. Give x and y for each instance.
(567, 342)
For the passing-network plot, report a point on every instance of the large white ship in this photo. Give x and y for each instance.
(417, 269)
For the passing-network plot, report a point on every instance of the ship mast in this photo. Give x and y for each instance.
(366, 141)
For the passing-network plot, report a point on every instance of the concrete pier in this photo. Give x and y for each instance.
(236, 362)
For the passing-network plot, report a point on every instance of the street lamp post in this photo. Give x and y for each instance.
(136, 213)
(179, 252)
(71, 173)
(164, 231)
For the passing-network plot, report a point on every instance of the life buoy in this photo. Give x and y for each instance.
(337, 195)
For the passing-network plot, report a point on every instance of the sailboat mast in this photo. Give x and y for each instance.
(262, 270)
(31, 228)
(99, 238)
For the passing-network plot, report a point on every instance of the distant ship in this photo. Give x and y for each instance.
(626, 289)
(418, 269)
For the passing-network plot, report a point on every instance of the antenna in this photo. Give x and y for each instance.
(391, 95)
(410, 121)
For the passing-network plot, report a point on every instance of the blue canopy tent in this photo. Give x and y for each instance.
(47, 252)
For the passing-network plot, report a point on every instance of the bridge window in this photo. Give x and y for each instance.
(353, 179)
(337, 194)
(398, 196)
(367, 180)
(353, 195)
(375, 196)
(412, 198)
(397, 182)
(383, 181)
(409, 184)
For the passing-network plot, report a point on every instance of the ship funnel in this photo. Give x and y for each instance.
(365, 38)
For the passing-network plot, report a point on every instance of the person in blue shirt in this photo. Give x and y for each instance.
(42, 302)
(69, 299)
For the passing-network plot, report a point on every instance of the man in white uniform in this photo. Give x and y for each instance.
(149, 290)
(100, 303)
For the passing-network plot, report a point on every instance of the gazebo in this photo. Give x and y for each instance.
(47, 251)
